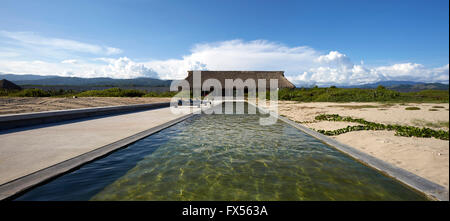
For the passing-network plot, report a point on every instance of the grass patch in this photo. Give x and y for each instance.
(361, 95)
(433, 109)
(362, 106)
(405, 131)
(439, 124)
(412, 108)
(438, 107)
(161, 94)
(354, 106)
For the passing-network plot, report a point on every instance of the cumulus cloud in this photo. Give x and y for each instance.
(302, 65)
(237, 55)
(124, 68)
(114, 68)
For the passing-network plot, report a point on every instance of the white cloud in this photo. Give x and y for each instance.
(413, 72)
(238, 55)
(69, 61)
(334, 58)
(302, 65)
(8, 53)
(112, 51)
(114, 68)
(124, 68)
(29, 39)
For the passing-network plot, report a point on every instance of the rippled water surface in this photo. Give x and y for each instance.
(225, 157)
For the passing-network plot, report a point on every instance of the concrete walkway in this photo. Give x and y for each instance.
(28, 150)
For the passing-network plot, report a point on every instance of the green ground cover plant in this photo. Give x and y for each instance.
(405, 131)
(412, 108)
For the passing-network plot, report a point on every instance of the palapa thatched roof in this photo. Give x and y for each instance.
(244, 75)
(8, 85)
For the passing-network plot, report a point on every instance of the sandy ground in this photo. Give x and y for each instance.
(426, 157)
(12, 105)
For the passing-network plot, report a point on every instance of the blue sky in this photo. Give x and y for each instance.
(322, 42)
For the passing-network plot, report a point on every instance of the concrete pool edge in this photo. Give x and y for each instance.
(432, 190)
(12, 121)
(15, 187)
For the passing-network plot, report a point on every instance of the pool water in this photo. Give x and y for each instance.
(225, 157)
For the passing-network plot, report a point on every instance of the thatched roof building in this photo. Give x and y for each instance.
(8, 85)
(244, 75)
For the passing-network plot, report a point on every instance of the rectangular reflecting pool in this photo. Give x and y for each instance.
(225, 157)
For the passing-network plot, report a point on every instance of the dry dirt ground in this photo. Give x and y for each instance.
(426, 157)
(12, 105)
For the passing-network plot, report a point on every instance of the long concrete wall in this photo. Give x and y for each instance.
(29, 119)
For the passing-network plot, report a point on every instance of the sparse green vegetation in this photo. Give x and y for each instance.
(32, 92)
(433, 109)
(316, 94)
(380, 94)
(412, 108)
(361, 106)
(111, 92)
(438, 107)
(405, 131)
(162, 94)
(438, 124)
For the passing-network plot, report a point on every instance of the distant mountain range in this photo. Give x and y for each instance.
(76, 81)
(29, 79)
(403, 86)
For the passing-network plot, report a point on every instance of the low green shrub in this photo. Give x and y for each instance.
(412, 108)
(112, 92)
(35, 92)
(379, 94)
(405, 131)
(161, 94)
(30, 93)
